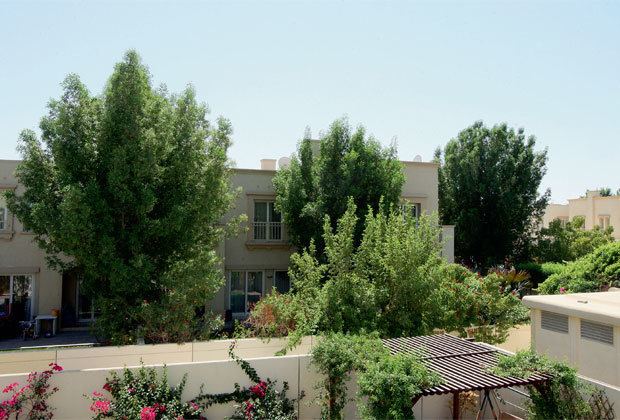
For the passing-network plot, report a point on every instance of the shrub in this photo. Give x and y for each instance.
(593, 272)
(486, 306)
(30, 400)
(390, 383)
(262, 400)
(335, 356)
(563, 397)
(142, 395)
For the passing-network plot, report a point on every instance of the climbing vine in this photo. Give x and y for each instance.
(564, 396)
(390, 383)
(261, 400)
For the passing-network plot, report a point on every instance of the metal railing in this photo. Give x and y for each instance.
(267, 231)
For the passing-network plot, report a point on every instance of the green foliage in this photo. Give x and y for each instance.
(560, 398)
(262, 400)
(390, 383)
(593, 272)
(394, 282)
(335, 356)
(144, 395)
(488, 187)
(605, 192)
(486, 306)
(539, 272)
(558, 243)
(349, 164)
(130, 187)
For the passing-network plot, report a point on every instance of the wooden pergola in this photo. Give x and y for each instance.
(463, 365)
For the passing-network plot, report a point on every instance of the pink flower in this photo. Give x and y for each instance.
(107, 387)
(100, 406)
(55, 367)
(148, 413)
(562, 290)
(9, 387)
(131, 390)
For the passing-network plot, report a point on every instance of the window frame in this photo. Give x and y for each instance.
(244, 276)
(270, 226)
(4, 218)
(32, 289)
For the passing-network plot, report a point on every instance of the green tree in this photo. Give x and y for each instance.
(489, 181)
(566, 242)
(348, 164)
(130, 187)
(605, 191)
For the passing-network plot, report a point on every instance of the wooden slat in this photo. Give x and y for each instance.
(463, 365)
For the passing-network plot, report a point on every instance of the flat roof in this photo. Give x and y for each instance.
(596, 306)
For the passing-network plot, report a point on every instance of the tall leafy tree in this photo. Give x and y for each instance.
(348, 164)
(489, 188)
(130, 187)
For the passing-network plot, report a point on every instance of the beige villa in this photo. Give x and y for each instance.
(255, 262)
(594, 208)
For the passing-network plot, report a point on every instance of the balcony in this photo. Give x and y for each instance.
(267, 231)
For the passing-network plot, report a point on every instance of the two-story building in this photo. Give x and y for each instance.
(255, 262)
(597, 210)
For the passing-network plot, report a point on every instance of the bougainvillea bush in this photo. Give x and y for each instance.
(29, 401)
(261, 401)
(142, 395)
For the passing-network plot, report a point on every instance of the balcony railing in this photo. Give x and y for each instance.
(267, 231)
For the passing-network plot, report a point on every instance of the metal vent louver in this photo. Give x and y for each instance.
(597, 332)
(554, 322)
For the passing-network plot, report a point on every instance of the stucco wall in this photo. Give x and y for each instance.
(592, 359)
(20, 255)
(590, 207)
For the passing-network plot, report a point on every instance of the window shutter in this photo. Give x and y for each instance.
(597, 332)
(554, 322)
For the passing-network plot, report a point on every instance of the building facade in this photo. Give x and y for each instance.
(594, 208)
(255, 261)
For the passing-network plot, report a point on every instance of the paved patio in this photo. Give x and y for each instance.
(62, 338)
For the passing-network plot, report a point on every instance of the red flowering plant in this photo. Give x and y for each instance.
(142, 395)
(261, 401)
(30, 401)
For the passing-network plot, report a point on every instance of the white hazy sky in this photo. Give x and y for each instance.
(415, 71)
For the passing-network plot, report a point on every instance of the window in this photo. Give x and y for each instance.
(267, 224)
(603, 222)
(414, 208)
(246, 288)
(554, 322)
(16, 296)
(282, 282)
(3, 217)
(597, 332)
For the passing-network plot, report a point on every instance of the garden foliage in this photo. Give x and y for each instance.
(561, 243)
(262, 400)
(388, 385)
(336, 356)
(30, 401)
(565, 396)
(142, 395)
(130, 187)
(394, 282)
(591, 273)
